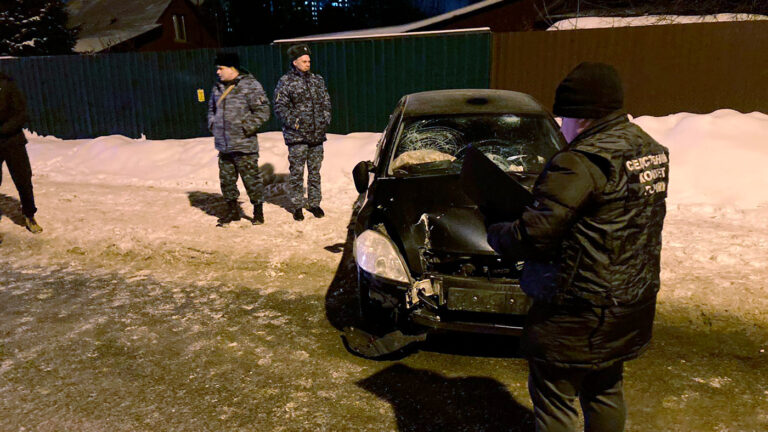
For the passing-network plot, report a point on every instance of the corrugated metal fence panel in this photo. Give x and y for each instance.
(155, 93)
(49, 110)
(165, 92)
(665, 69)
(131, 94)
(263, 61)
(366, 78)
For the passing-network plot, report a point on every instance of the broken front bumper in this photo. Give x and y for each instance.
(456, 303)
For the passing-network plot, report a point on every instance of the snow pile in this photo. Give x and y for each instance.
(649, 20)
(717, 159)
(174, 163)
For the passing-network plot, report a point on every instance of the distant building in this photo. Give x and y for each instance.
(315, 6)
(138, 25)
(437, 7)
(495, 15)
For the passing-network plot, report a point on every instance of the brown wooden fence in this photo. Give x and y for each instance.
(665, 69)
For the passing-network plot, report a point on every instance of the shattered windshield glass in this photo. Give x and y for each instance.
(436, 145)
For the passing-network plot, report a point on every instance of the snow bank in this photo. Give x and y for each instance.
(717, 159)
(649, 20)
(175, 163)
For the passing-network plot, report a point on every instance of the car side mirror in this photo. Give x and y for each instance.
(360, 175)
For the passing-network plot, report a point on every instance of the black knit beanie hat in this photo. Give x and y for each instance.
(297, 51)
(228, 59)
(590, 91)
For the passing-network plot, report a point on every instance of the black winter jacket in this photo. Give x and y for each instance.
(13, 113)
(304, 107)
(594, 231)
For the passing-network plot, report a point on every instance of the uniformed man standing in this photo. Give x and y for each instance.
(303, 106)
(237, 109)
(593, 238)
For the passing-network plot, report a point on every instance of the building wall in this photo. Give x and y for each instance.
(315, 6)
(164, 39)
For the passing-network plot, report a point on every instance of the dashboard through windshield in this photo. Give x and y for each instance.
(436, 145)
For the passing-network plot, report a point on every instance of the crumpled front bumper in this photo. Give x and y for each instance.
(456, 303)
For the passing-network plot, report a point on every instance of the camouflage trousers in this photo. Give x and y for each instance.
(311, 156)
(246, 166)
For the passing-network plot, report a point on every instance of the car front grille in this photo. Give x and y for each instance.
(489, 266)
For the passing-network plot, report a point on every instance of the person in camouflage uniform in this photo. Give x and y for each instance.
(303, 106)
(237, 108)
(13, 151)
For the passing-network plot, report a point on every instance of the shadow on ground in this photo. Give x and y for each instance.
(341, 300)
(275, 192)
(423, 400)
(99, 351)
(475, 345)
(212, 204)
(11, 208)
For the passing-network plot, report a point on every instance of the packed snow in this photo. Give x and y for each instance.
(147, 208)
(649, 20)
(717, 159)
(133, 311)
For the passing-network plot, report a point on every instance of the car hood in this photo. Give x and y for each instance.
(430, 214)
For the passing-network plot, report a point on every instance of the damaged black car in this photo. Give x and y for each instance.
(422, 259)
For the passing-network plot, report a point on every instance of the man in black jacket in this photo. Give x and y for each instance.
(593, 238)
(304, 107)
(13, 150)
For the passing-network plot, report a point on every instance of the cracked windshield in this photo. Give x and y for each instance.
(436, 145)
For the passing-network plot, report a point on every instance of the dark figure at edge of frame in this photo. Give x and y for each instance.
(13, 148)
(593, 234)
(303, 106)
(237, 108)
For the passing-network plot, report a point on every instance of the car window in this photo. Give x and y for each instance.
(436, 145)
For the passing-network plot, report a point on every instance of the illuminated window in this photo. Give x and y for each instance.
(179, 28)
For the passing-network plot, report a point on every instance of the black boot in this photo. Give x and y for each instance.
(258, 214)
(316, 211)
(233, 213)
(298, 214)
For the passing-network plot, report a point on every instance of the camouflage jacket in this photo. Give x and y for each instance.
(13, 113)
(303, 106)
(235, 120)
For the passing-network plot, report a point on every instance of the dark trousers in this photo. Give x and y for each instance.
(245, 166)
(311, 156)
(554, 391)
(16, 158)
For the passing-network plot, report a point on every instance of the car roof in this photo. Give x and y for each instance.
(470, 101)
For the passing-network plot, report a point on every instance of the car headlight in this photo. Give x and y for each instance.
(376, 254)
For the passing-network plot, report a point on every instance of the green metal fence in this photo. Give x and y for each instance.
(156, 94)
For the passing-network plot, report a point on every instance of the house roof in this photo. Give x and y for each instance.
(104, 23)
(409, 27)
